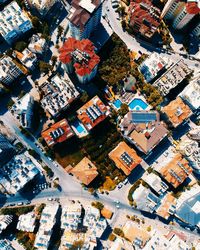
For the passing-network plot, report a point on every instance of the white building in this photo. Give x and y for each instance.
(23, 110)
(155, 182)
(37, 44)
(17, 173)
(191, 93)
(5, 220)
(84, 16)
(180, 13)
(42, 6)
(6, 245)
(9, 71)
(27, 58)
(196, 31)
(47, 222)
(172, 77)
(94, 223)
(71, 216)
(58, 94)
(13, 22)
(26, 222)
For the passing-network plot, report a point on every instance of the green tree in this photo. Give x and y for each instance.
(44, 67)
(84, 97)
(98, 205)
(118, 231)
(20, 46)
(60, 30)
(54, 59)
(123, 110)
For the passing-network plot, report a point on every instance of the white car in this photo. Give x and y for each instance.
(50, 199)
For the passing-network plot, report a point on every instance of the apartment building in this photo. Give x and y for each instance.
(58, 94)
(24, 110)
(47, 222)
(42, 6)
(6, 245)
(57, 133)
(84, 17)
(125, 158)
(9, 71)
(93, 113)
(143, 129)
(144, 18)
(37, 44)
(172, 77)
(14, 22)
(180, 13)
(7, 151)
(27, 58)
(80, 56)
(26, 222)
(17, 173)
(5, 221)
(177, 112)
(71, 216)
(196, 31)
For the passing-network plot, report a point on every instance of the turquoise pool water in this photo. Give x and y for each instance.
(117, 103)
(137, 104)
(79, 127)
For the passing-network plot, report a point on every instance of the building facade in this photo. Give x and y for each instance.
(84, 17)
(7, 151)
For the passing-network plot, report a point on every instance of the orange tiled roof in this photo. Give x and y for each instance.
(116, 154)
(177, 111)
(86, 119)
(167, 202)
(57, 133)
(173, 169)
(85, 171)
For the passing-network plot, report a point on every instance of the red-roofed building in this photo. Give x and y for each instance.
(57, 133)
(92, 113)
(180, 12)
(144, 18)
(80, 56)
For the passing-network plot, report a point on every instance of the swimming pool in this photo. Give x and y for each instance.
(117, 103)
(79, 127)
(137, 104)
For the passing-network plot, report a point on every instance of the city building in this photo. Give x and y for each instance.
(37, 44)
(143, 18)
(125, 158)
(194, 133)
(180, 13)
(71, 216)
(14, 22)
(92, 113)
(190, 149)
(95, 224)
(24, 110)
(9, 70)
(5, 221)
(143, 129)
(120, 243)
(153, 66)
(84, 17)
(69, 238)
(42, 6)
(167, 206)
(7, 151)
(145, 200)
(27, 58)
(178, 240)
(172, 77)
(58, 94)
(85, 171)
(155, 183)
(47, 222)
(188, 204)
(6, 245)
(17, 173)
(137, 236)
(191, 93)
(26, 222)
(57, 133)
(196, 31)
(176, 171)
(177, 112)
(81, 57)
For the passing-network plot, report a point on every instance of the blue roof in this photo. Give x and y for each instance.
(143, 117)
